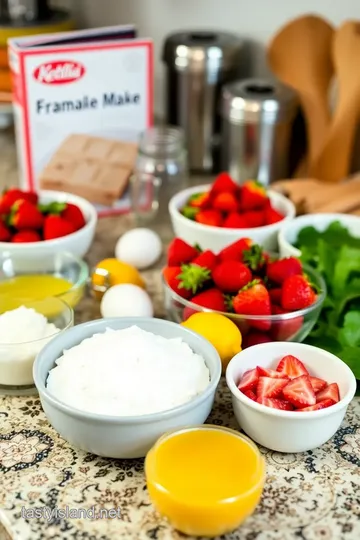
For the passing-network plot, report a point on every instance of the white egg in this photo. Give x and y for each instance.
(139, 247)
(126, 300)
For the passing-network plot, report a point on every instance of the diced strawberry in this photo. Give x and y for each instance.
(253, 195)
(180, 252)
(329, 392)
(254, 338)
(25, 236)
(172, 276)
(318, 406)
(199, 200)
(254, 218)
(234, 221)
(231, 276)
(253, 299)
(285, 329)
(275, 296)
(5, 234)
(267, 372)
(211, 299)
(25, 215)
(317, 384)
(270, 387)
(250, 394)
(234, 252)
(272, 216)
(206, 259)
(300, 392)
(297, 293)
(225, 202)
(249, 380)
(291, 366)
(223, 184)
(274, 403)
(278, 271)
(212, 218)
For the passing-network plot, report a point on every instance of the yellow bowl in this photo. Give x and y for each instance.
(205, 480)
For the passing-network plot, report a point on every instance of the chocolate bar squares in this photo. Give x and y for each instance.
(95, 168)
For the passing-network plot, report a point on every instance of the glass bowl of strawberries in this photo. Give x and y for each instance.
(45, 223)
(215, 215)
(268, 298)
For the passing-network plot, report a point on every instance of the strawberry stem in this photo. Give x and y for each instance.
(192, 277)
(250, 285)
(254, 257)
(53, 208)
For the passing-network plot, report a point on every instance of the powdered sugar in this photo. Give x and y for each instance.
(128, 372)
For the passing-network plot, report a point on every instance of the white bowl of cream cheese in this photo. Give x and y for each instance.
(112, 387)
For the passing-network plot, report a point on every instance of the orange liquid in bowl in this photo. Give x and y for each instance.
(205, 480)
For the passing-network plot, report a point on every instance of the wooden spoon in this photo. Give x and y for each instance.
(334, 162)
(300, 56)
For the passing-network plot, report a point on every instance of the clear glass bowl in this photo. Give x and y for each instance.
(293, 326)
(35, 281)
(16, 359)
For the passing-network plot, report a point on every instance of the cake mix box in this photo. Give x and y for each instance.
(81, 99)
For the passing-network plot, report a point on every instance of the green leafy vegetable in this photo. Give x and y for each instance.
(336, 254)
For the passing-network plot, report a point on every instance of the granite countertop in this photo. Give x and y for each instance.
(309, 496)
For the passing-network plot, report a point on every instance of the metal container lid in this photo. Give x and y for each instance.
(198, 50)
(256, 100)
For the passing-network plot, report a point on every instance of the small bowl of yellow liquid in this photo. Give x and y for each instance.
(60, 275)
(205, 480)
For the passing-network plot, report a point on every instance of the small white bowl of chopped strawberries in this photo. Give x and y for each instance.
(216, 215)
(289, 397)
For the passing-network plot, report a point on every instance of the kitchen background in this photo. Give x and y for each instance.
(257, 20)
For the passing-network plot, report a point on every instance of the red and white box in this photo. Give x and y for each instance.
(81, 100)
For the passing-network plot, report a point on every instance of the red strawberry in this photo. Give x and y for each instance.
(318, 406)
(300, 392)
(180, 252)
(254, 218)
(231, 276)
(285, 329)
(26, 236)
(211, 299)
(25, 215)
(272, 216)
(11, 196)
(291, 366)
(57, 227)
(249, 380)
(330, 392)
(73, 214)
(209, 217)
(253, 195)
(317, 384)
(275, 403)
(172, 276)
(5, 234)
(263, 372)
(253, 299)
(206, 259)
(225, 202)
(223, 184)
(297, 293)
(250, 394)
(254, 338)
(278, 271)
(234, 252)
(199, 200)
(234, 221)
(255, 258)
(270, 387)
(275, 296)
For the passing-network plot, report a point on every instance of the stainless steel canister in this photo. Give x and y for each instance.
(257, 117)
(198, 63)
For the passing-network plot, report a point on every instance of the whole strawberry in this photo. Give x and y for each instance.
(272, 216)
(57, 227)
(253, 195)
(278, 271)
(172, 276)
(180, 252)
(286, 329)
(206, 259)
(5, 234)
(25, 236)
(73, 214)
(254, 299)
(234, 221)
(225, 202)
(211, 299)
(25, 215)
(209, 217)
(234, 252)
(11, 196)
(223, 184)
(231, 276)
(297, 293)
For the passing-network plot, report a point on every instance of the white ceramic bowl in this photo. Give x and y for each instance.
(123, 437)
(216, 238)
(76, 243)
(290, 431)
(289, 231)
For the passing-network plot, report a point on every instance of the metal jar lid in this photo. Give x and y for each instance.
(200, 50)
(258, 100)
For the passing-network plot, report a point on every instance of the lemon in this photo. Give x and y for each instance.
(222, 333)
(111, 272)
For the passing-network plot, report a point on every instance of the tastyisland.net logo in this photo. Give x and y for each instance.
(59, 72)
